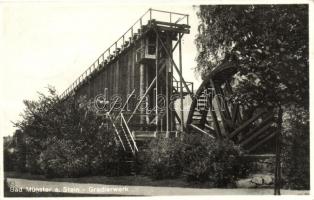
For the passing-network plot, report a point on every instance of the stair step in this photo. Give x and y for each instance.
(144, 135)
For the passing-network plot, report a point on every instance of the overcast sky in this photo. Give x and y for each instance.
(53, 43)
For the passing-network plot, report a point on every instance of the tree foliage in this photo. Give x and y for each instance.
(65, 138)
(270, 46)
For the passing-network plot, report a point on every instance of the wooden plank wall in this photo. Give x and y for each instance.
(120, 77)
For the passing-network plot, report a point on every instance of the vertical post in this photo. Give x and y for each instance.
(142, 91)
(167, 93)
(277, 184)
(150, 14)
(147, 99)
(156, 111)
(181, 86)
(187, 19)
(172, 118)
(170, 17)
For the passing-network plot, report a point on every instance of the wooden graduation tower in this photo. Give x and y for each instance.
(133, 82)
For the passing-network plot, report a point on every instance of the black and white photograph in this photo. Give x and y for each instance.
(131, 99)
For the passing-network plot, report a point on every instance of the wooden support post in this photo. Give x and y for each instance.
(235, 112)
(181, 87)
(167, 94)
(277, 184)
(142, 90)
(147, 99)
(216, 123)
(172, 110)
(156, 63)
(218, 108)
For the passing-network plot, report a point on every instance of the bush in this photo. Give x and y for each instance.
(163, 158)
(77, 157)
(197, 158)
(296, 153)
(218, 162)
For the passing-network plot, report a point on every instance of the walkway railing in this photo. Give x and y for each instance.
(125, 41)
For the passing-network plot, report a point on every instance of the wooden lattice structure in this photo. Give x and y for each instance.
(213, 115)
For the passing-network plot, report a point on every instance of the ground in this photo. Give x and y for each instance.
(120, 186)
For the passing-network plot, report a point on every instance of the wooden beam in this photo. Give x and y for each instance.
(251, 137)
(177, 116)
(245, 124)
(216, 123)
(175, 65)
(156, 86)
(263, 140)
(201, 131)
(235, 114)
(211, 130)
(224, 129)
(261, 125)
(167, 93)
(181, 86)
(175, 46)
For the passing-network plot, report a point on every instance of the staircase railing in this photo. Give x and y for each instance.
(117, 132)
(125, 104)
(123, 121)
(113, 124)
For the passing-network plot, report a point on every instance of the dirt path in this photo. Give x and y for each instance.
(100, 189)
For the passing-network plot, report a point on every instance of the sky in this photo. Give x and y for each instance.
(53, 43)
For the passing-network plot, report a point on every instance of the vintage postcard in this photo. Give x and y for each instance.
(104, 99)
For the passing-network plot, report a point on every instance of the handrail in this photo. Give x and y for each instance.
(126, 102)
(127, 127)
(101, 59)
(108, 113)
(127, 139)
(117, 132)
(143, 97)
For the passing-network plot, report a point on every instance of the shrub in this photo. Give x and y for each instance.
(197, 158)
(218, 162)
(163, 158)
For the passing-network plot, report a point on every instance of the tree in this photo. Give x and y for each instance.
(65, 138)
(270, 45)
